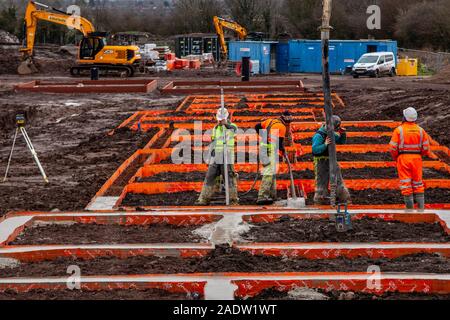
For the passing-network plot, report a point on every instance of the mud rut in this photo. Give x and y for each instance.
(225, 259)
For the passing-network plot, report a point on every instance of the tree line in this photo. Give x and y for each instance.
(419, 24)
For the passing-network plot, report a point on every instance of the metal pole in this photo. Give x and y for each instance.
(288, 162)
(33, 152)
(325, 35)
(10, 155)
(225, 153)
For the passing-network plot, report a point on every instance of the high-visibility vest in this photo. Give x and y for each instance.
(409, 138)
(218, 137)
(271, 142)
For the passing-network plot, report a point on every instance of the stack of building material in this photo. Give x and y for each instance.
(181, 64)
(194, 64)
(162, 50)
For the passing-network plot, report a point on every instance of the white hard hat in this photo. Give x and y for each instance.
(220, 116)
(410, 114)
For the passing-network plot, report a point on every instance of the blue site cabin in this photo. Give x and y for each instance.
(305, 56)
(262, 51)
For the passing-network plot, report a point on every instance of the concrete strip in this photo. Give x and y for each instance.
(9, 225)
(103, 203)
(220, 289)
(228, 229)
(326, 246)
(444, 215)
(155, 246)
(8, 263)
(240, 212)
(175, 278)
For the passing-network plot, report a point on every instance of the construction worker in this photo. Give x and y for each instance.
(223, 128)
(320, 143)
(273, 132)
(408, 144)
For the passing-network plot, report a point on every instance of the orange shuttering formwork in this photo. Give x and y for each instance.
(203, 107)
(90, 86)
(215, 87)
(248, 284)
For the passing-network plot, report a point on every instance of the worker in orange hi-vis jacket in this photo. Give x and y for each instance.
(408, 144)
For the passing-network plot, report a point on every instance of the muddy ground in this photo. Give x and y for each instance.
(387, 102)
(365, 230)
(150, 294)
(100, 234)
(224, 259)
(273, 294)
(69, 132)
(70, 135)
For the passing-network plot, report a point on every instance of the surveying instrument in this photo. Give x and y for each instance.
(20, 126)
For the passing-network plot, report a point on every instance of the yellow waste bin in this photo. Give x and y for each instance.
(407, 67)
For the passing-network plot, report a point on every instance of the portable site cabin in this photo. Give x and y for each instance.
(305, 56)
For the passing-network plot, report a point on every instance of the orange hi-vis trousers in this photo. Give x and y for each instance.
(409, 167)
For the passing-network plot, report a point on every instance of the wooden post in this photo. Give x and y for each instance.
(325, 36)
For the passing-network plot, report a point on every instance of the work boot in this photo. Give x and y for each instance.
(234, 198)
(201, 203)
(321, 197)
(409, 202)
(420, 199)
(205, 196)
(264, 202)
(265, 195)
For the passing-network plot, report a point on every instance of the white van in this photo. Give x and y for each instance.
(375, 65)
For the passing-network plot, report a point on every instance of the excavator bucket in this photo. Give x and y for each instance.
(27, 67)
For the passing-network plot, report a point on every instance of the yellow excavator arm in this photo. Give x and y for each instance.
(93, 50)
(33, 14)
(220, 24)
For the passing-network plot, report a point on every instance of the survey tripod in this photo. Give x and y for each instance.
(20, 127)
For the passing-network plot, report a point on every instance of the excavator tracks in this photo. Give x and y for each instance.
(80, 70)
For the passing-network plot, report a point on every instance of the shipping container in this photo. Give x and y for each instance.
(261, 51)
(305, 56)
(197, 44)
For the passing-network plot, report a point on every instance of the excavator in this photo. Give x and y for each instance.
(93, 51)
(220, 24)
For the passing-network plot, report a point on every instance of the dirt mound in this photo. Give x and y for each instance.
(6, 37)
(9, 59)
(367, 104)
(442, 77)
(49, 60)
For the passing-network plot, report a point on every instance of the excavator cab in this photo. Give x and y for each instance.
(90, 47)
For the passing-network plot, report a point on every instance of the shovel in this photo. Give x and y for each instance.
(294, 201)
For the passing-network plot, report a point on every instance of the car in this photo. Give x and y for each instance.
(375, 64)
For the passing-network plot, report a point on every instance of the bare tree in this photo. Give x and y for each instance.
(303, 17)
(195, 15)
(425, 25)
(245, 12)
